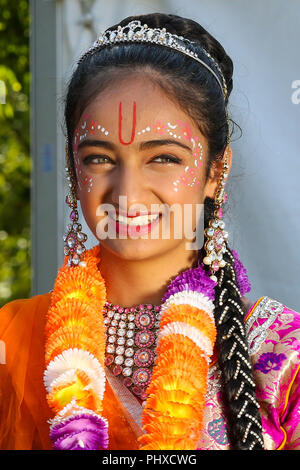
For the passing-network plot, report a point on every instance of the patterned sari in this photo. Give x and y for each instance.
(273, 332)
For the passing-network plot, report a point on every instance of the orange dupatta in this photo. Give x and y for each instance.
(24, 411)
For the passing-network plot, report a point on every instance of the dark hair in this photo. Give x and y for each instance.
(196, 90)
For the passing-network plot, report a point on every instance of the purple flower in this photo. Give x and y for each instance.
(243, 282)
(269, 361)
(80, 432)
(194, 279)
(198, 280)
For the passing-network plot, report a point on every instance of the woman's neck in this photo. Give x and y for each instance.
(132, 282)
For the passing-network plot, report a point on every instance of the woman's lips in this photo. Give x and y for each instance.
(136, 213)
(134, 230)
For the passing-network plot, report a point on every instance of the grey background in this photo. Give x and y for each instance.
(262, 39)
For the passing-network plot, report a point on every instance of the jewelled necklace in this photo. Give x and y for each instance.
(131, 339)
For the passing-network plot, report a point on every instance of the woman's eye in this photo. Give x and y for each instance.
(168, 159)
(97, 159)
(101, 159)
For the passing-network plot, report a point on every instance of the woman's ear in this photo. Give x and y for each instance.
(215, 173)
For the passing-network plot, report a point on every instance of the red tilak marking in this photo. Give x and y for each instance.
(133, 124)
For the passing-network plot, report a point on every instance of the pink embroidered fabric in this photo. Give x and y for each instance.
(273, 332)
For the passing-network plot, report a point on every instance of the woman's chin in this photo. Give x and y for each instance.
(138, 249)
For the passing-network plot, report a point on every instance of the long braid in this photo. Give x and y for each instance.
(242, 408)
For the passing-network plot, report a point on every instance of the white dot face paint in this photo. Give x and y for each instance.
(143, 131)
(87, 128)
(179, 130)
(191, 176)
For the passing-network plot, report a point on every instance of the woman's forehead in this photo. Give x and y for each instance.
(137, 104)
(151, 102)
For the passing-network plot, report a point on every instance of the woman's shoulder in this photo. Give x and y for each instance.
(17, 304)
(18, 313)
(22, 324)
(270, 321)
(273, 335)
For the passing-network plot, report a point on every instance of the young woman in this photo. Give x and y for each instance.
(147, 341)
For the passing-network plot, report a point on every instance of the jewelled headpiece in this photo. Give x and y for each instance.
(136, 32)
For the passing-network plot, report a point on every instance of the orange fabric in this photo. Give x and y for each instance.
(24, 410)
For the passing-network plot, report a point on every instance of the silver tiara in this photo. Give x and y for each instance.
(136, 32)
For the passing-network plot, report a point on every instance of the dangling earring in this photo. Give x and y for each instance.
(74, 238)
(215, 245)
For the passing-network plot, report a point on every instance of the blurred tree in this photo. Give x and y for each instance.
(15, 271)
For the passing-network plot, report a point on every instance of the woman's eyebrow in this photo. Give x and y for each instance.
(97, 143)
(142, 146)
(156, 143)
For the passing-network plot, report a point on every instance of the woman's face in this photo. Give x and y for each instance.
(136, 151)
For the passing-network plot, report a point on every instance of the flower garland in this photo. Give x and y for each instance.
(173, 413)
(75, 349)
(74, 377)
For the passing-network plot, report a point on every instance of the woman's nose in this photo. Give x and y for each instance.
(130, 183)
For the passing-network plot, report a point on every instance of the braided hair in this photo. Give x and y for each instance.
(196, 91)
(241, 405)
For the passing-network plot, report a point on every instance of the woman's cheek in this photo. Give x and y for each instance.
(85, 182)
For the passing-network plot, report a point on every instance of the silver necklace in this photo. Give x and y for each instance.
(131, 340)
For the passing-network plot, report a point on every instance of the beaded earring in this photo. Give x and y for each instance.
(74, 238)
(215, 245)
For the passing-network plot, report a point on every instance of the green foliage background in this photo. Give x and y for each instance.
(15, 271)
